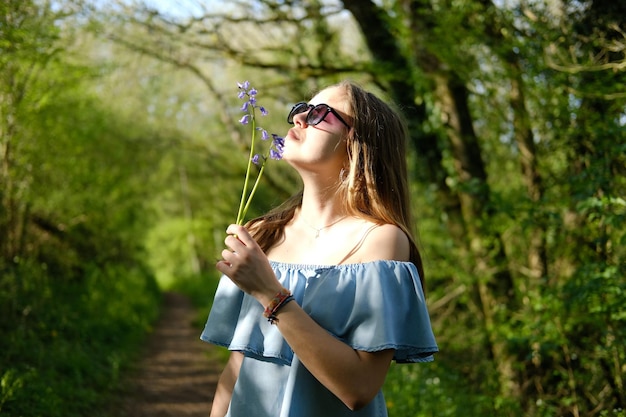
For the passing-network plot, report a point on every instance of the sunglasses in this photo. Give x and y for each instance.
(316, 113)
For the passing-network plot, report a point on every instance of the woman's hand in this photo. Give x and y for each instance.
(245, 263)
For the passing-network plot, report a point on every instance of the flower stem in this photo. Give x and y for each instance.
(241, 212)
(256, 183)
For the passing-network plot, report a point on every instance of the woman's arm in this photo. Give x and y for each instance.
(354, 376)
(225, 385)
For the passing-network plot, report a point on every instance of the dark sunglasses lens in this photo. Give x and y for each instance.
(297, 109)
(316, 115)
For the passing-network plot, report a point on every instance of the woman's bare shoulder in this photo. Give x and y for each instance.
(384, 242)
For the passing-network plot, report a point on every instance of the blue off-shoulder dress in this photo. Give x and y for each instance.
(370, 306)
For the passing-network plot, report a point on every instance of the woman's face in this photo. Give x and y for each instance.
(320, 148)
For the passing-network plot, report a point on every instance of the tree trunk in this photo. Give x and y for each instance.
(7, 202)
(522, 131)
(494, 283)
(523, 135)
(404, 92)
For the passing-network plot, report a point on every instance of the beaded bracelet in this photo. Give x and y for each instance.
(280, 299)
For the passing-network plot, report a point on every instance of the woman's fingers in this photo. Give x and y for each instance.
(223, 267)
(240, 233)
(244, 262)
(235, 229)
(237, 251)
(234, 243)
(228, 256)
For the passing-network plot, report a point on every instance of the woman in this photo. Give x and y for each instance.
(321, 294)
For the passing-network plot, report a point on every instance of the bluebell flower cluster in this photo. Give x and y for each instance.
(274, 151)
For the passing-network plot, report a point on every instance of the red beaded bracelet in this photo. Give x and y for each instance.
(280, 299)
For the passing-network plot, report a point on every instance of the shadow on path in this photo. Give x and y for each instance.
(175, 376)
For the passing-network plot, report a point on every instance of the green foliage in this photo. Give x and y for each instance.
(76, 298)
(63, 350)
(617, 412)
(425, 390)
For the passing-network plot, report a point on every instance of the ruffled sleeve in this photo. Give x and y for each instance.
(371, 307)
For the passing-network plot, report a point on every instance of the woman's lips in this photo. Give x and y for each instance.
(291, 134)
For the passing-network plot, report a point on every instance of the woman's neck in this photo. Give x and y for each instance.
(321, 206)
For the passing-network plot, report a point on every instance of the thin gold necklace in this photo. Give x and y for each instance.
(319, 229)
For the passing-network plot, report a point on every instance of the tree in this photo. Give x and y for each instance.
(29, 41)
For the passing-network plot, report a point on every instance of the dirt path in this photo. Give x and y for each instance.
(175, 377)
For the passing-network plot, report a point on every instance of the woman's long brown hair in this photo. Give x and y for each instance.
(376, 184)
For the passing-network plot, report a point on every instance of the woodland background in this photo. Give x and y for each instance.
(121, 162)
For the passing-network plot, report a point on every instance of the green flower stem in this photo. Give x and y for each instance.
(241, 212)
(256, 183)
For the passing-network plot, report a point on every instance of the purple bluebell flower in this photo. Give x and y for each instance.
(278, 144)
(274, 150)
(278, 141)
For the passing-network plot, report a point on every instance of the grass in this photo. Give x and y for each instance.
(67, 342)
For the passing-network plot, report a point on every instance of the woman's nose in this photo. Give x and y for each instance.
(300, 119)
